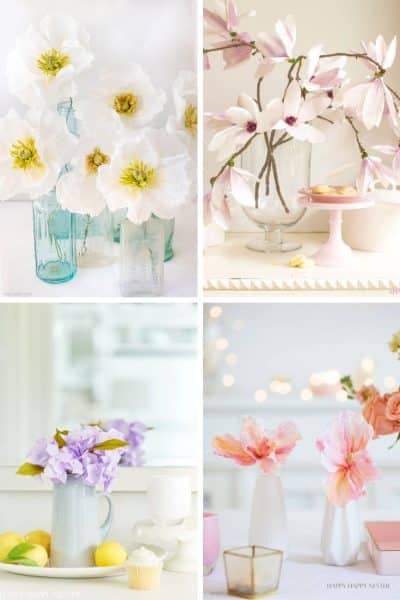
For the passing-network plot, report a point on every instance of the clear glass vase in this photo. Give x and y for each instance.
(94, 239)
(169, 229)
(276, 196)
(142, 258)
(54, 240)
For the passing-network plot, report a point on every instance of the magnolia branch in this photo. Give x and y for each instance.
(361, 148)
(230, 161)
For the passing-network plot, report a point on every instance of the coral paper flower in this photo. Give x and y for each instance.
(256, 445)
(295, 114)
(32, 152)
(125, 96)
(276, 48)
(344, 454)
(224, 23)
(146, 174)
(382, 413)
(43, 68)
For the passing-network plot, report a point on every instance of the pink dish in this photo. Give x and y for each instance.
(330, 198)
(384, 546)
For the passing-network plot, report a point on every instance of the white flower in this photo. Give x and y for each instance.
(77, 190)
(184, 122)
(126, 98)
(32, 152)
(46, 61)
(147, 174)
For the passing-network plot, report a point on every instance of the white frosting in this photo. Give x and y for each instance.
(143, 557)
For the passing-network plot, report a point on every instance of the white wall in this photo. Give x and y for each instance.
(293, 340)
(340, 25)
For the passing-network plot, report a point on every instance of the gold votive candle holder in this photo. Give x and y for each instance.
(252, 571)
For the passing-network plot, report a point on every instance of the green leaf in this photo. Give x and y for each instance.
(110, 445)
(30, 469)
(19, 551)
(59, 437)
(395, 441)
(28, 562)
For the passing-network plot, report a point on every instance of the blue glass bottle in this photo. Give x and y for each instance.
(54, 240)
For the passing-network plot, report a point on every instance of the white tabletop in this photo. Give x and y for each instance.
(233, 269)
(304, 575)
(18, 272)
(174, 586)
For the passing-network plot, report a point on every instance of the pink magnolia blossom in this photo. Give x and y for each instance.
(224, 22)
(395, 152)
(344, 454)
(373, 171)
(237, 125)
(233, 181)
(221, 215)
(294, 114)
(276, 48)
(324, 74)
(371, 100)
(256, 445)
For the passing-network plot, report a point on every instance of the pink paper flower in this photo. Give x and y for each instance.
(256, 445)
(373, 171)
(233, 181)
(395, 152)
(372, 100)
(221, 215)
(236, 126)
(225, 24)
(324, 74)
(276, 48)
(344, 454)
(294, 114)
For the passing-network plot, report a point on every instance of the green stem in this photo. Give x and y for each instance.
(232, 158)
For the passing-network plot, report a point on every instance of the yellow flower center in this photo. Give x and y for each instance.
(137, 175)
(190, 119)
(95, 160)
(25, 155)
(52, 61)
(126, 104)
(350, 457)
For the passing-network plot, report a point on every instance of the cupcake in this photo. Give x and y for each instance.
(144, 570)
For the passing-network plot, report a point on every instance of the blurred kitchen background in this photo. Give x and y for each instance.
(62, 365)
(283, 362)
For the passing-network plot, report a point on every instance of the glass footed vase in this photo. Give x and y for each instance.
(277, 208)
(94, 239)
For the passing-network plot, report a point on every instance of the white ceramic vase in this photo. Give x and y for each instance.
(268, 523)
(341, 534)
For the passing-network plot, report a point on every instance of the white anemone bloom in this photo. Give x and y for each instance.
(33, 150)
(125, 97)
(184, 122)
(147, 174)
(77, 190)
(42, 68)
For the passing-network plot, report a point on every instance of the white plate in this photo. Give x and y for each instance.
(63, 573)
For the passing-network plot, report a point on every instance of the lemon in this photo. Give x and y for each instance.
(38, 554)
(39, 537)
(110, 554)
(8, 541)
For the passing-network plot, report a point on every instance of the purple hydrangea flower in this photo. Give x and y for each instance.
(77, 458)
(134, 433)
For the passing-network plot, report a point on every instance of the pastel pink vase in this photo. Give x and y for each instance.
(211, 542)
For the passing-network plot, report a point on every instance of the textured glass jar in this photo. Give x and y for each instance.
(142, 258)
(252, 571)
(94, 239)
(169, 229)
(54, 240)
(277, 207)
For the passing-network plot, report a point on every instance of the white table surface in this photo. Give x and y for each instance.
(174, 586)
(304, 575)
(17, 261)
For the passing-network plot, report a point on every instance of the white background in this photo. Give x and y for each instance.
(339, 25)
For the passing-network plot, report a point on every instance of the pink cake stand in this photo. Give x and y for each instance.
(335, 253)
